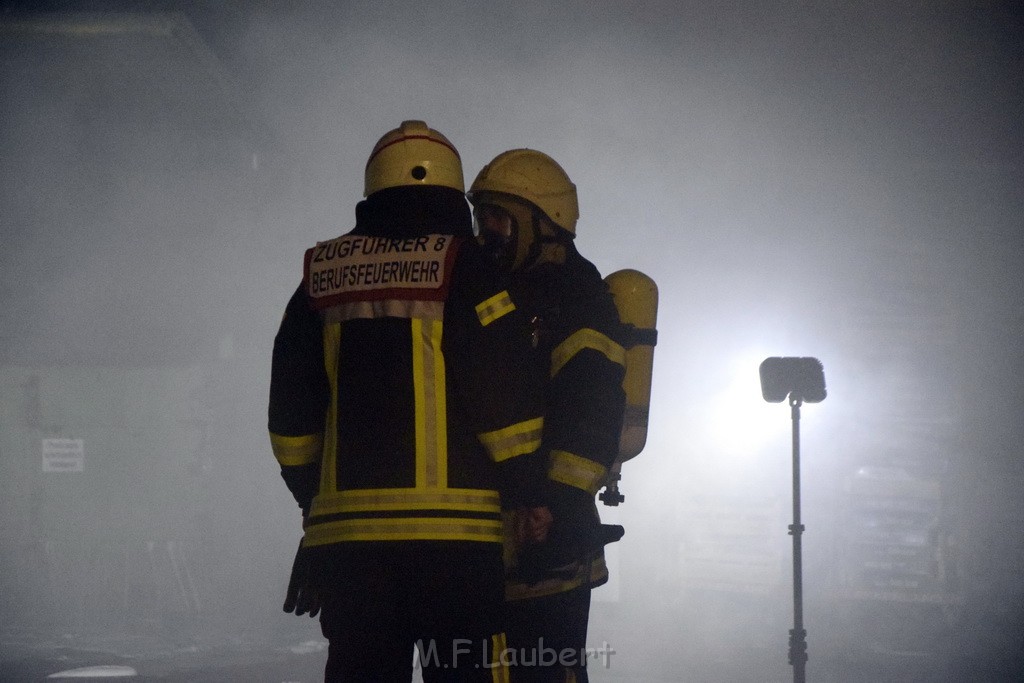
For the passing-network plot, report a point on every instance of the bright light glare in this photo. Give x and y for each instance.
(742, 423)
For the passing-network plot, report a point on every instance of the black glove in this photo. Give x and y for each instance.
(576, 537)
(302, 600)
(559, 558)
(575, 526)
(301, 597)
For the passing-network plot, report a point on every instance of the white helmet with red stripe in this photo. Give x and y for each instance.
(413, 154)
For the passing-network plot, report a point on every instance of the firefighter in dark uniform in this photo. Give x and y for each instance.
(403, 403)
(525, 209)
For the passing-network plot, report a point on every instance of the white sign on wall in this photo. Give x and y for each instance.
(63, 455)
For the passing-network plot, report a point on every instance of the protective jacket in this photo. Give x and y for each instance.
(577, 338)
(403, 402)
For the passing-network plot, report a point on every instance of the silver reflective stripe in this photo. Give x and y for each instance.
(386, 308)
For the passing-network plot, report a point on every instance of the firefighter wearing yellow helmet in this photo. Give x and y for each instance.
(526, 210)
(391, 432)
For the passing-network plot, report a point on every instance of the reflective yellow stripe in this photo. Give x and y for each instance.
(297, 450)
(365, 500)
(499, 662)
(577, 472)
(419, 400)
(403, 529)
(440, 479)
(498, 305)
(586, 338)
(593, 573)
(517, 439)
(328, 468)
(543, 588)
(431, 414)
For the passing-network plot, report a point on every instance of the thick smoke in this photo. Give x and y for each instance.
(843, 182)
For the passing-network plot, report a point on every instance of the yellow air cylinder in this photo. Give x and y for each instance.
(636, 299)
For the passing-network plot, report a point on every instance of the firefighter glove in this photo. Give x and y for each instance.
(301, 597)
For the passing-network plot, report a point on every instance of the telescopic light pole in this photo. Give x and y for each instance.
(798, 380)
(798, 634)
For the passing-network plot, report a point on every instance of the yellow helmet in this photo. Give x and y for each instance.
(413, 154)
(533, 177)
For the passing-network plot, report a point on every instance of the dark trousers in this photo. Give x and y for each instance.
(548, 637)
(379, 600)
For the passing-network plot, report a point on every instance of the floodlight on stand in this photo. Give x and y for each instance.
(789, 377)
(798, 380)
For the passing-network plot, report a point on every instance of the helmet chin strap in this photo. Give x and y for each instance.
(533, 254)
